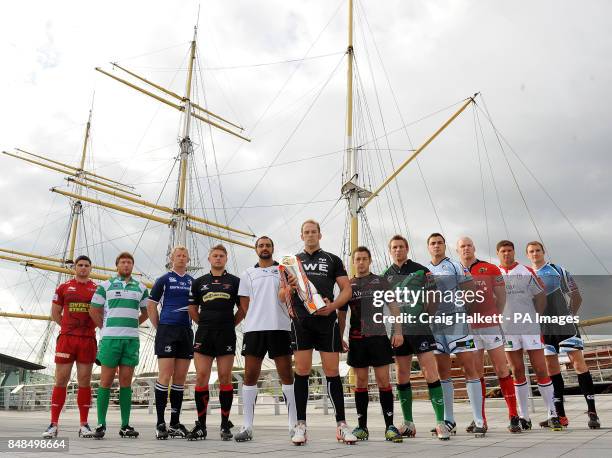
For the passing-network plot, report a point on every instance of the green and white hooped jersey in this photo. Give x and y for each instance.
(121, 301)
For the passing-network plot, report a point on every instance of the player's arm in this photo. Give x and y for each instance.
(194, 308)
(144, 314)
(156, 293)
(153, 313)
(57, 306)
(240, 313)
(539, 302)
(288, 287)
(244, 304)
(96, 308)
(429, 291)
(575, 301)
(500, 296)
(572, 291)
(346, 292)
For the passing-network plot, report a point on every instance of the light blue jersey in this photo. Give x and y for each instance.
(449, 276)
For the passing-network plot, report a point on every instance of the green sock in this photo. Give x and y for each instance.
(437, 399)
(404, 390)
(102, 404)
(125, 404)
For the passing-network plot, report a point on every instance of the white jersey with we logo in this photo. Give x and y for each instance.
(522, 285)
(266, 312)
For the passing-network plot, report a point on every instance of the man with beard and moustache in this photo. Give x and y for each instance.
(267, 329)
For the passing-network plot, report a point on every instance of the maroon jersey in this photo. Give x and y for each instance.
(75, 298)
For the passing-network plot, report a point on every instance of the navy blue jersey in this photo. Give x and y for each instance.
(172, 292)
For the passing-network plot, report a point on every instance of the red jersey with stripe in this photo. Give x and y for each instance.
(486, 277)
(75, 299)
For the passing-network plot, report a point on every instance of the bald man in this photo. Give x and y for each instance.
(485, 327)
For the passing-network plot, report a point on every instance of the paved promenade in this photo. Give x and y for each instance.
(271, 437)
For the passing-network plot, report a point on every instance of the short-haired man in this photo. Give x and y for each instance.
(173, 340)
(454, 338)
(321, 331)
(76, 342)
(212, 303)
(118, 307)
(525, 297)
(562, 338)
(266, 331)
(369, 345)
(412, 277)
(488, 335)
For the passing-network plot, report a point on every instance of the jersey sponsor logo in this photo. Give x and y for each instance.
(62, 355)
(78, 307)
(71, 288)
(311, 267)
(211, 296)
(172, 279)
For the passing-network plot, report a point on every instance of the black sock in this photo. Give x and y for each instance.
(558, 388)
(585, 381)
(300, 388)
(362, 398)
(336, 395)
(176, 402)
(226, 397)
(161, 400)
(386, 402)
(201, 399)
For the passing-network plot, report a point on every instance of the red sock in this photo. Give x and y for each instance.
(84, 402)
(58, 398)
(507, 387)
(483, 386)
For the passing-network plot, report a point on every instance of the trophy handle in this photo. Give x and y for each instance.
(285, 285)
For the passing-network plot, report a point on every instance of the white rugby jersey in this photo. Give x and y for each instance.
(266, 312)
(522, 284)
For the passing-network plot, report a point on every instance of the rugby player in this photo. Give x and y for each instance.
(118, 307)
(369, 345)
(562, 338)
(406, 274)
(321, 331)
(455, 338)
(212, 302)
(489, 336)
(76, 342)
(267, 330)
(525, 296)
(173, 340)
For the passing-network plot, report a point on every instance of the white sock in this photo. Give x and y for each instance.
(290, 401)
(249, 396)
(448, 395)
(548, 394)
(474, 391)
(522, 396)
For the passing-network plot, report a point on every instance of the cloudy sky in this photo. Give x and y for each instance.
(278, 69)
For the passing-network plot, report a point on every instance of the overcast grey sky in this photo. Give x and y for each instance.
(543, 67)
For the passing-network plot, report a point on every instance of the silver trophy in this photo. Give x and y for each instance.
(306, 291)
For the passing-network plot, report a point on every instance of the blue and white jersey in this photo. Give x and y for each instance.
(556, 278)
(172, 292)
(449, 276)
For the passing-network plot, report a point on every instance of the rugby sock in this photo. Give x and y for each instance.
(300, 387)
(336, 395)
(547, 392)
(362, 398)
(522, 395)
(249, 397)
(507, 388)
(448, 395)
(437, 399)
(84, 402)
(226, 398)
(58, 398)
(202, 395)
(176, 402)
(558, 387)
(483, 387)
(103, 396)
(386, 402)
(474, 391)
(289, 396)
(161, 400)
(404, 392)
(125, 404)
(585, 381)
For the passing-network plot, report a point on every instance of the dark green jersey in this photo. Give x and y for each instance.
(413, 280)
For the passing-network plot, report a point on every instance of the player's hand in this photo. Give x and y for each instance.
(325, 311)
(292, 280)
(345, 346)
(397, 340)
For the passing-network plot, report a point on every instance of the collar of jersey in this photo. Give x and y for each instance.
(474, 263)
(313, 253)
(445, 259)
(275, 263)
(514, 264)
(212, 275)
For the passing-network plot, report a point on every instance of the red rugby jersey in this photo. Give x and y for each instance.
(486, 277)
(75, 298)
